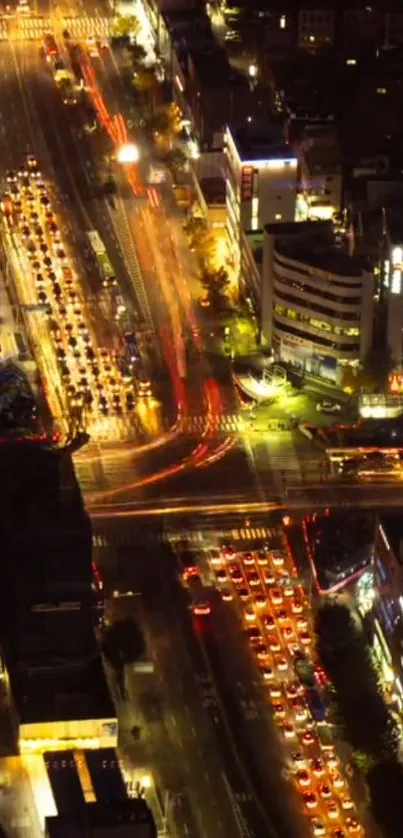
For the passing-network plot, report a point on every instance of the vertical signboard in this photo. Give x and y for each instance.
(247, 183)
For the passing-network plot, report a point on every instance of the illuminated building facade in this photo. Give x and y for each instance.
(317, 302)
(388, 602)
(261, 183)
(320, 195)
(393, 278)
(339, 547)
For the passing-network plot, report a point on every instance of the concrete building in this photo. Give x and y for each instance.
(321, 181)
(129, 819)
(49, 603)
(207, 89)
(316, 25)
(387, 602)
(63, 704)
(261, 182)
(393, 24)
(392, 279)
(317, 302)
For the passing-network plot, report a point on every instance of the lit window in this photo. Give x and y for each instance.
(283, 22)
(381, 90)
(396, 282)
(351, 62)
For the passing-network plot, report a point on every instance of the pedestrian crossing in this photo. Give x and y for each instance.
(276, 452)
(115, 428)
(220, 422)
(33, 28)
(196, 538)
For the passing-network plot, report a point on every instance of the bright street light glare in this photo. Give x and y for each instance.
(128, 153)
(146, 781)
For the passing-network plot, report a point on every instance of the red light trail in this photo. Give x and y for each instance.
(201, 455)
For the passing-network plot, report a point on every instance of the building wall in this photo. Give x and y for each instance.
(257, 193)
(250, 273)
(316, 28)
(394, 300)
(83, 733)
(394, 28)
(273, 193)
(388, 605)
(313, 318)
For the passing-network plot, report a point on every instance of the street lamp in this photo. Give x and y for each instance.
(127, 154)
(146, 781)
(253, 70)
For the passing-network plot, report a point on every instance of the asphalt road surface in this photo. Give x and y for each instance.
(203, 720)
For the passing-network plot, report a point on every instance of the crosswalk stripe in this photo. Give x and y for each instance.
(36, 28)
(219, 422)
(131, 538)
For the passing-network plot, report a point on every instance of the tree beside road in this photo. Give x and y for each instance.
(361, 710)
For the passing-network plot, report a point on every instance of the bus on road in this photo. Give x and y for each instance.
(316, 704)
(102, 259)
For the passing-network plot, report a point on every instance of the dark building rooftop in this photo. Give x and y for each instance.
(213, 189)
(66, 694)
(260, 140)
(312, 243)
(130, 817)
(47, 605)
(45, 637)
(394, 223)
(45, 531)
(189, 29)
(210, 64)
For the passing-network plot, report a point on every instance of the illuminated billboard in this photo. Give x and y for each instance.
(395, 383)
(247, 183)
(397, 268)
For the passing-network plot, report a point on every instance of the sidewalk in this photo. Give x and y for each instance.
(9, 347)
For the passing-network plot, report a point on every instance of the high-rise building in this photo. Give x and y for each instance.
(317, 301)
(261, 183)
(48, 605)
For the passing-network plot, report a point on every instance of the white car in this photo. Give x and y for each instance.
(327, 406)
(318, 828)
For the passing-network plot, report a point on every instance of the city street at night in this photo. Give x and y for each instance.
(201, 410)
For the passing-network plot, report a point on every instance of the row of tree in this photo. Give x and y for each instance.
(162, 124)
(362, 712)
(215, 281)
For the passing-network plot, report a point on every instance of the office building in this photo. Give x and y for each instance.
(261, 182)
(383, 594)
(129, 819)
(392, 281)
(316, 25)
(321, 181)
(63, 703)
(317, 301)
(49, 603)
(394, 25)
(208, 90)
(339, 546)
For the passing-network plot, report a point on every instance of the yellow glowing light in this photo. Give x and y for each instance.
(127, 154)
(147, 781)
(38, 746)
